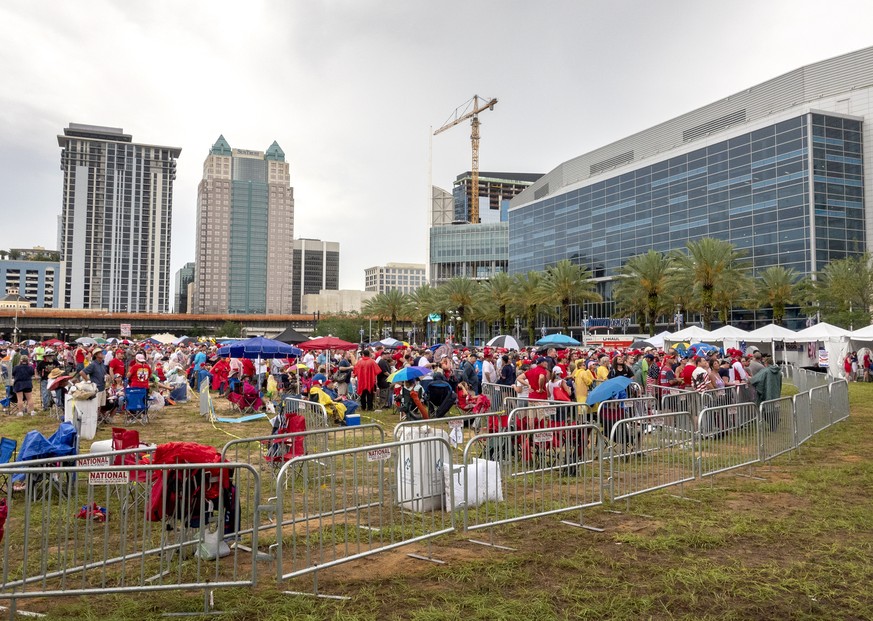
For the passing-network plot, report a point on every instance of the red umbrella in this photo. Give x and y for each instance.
(52, 342)
(326, 342)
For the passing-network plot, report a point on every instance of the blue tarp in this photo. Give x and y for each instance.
(36, 446)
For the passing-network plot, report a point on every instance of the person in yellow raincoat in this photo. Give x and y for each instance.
(335, 409)
(582, 380)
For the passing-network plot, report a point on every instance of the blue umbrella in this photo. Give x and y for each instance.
(608, 390)
(408, 373)
(259, 347)
(702, 348)
(558, 339)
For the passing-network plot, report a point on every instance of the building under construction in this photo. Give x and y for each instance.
(494, 189)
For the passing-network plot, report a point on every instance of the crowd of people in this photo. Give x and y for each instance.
(446, 377)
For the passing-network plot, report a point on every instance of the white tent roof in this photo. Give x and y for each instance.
(691, 332)
(165, 338)
(771, 332)
(657, 341)
(727, 332)
(864, 334)
(819, 332)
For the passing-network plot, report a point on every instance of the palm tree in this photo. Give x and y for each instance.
(566, 283)
(643, 287)
(528, 300)
(391, 305)
(776, 288)
(460, 295)
(844, 291)
(497, 295)
(421, 304)
(707, 268)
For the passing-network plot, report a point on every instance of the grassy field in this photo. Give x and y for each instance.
(796, 545)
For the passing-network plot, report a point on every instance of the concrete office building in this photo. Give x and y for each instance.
(777, 170)
(245, 221)
(184, 277)
(34, 280)
(316, 269)
(403, 277)
(335, 302)
(116, 221)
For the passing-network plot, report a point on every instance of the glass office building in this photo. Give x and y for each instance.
(787, 188)
(474, 251)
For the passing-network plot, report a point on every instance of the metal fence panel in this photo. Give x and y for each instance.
(315, 414)
(544, 413)
(344, 505)
(650, 452)
(728, 438)
(497, 393)
(820, 406)
(268, 453)
(686, 401)
(777, 427)
(459, 429)
(95, 528)
(839, 400)
(802, 418)
(517, 475)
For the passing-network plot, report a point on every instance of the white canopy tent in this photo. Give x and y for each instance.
(657, 341)
(692, 334)
(835, 340)
(861, 340)
(772, 334)
(728, 336)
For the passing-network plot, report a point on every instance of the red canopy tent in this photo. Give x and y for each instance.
(328, 343)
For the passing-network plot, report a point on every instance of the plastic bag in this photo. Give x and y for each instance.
(212, 547)
(84, 391)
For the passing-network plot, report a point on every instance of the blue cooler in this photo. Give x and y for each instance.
(353, 420)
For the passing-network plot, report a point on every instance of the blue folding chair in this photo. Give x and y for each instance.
(137, 404)
(7, 451)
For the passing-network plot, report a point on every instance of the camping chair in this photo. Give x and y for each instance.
(280, 450)
(7, 451)
(123, 439)
(440, 398)
(137, 405)
(245, 399)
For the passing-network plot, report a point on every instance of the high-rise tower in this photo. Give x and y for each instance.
(116, 220)
(245, 230)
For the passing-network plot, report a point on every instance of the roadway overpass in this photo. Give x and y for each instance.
(40, 324)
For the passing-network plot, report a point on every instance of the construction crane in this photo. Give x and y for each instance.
(470, 110)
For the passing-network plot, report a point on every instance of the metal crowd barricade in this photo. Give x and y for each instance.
(457, 429)
(659, 392)
(268, 453)
(802, 418)
(616, 409)
(522, 474)
(314, 413)
(650, 452)
(839, 400)
(776, 427)
(684, 401)
(728, 438)
(76, 536)
(820, 406)
(544, 413)
(377, 498)
(497, 393)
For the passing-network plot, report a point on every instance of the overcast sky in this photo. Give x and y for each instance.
(350, 88)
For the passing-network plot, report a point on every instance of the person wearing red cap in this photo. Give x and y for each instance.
(538, 377)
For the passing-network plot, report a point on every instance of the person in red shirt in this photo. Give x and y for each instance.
(79, 358)
(688, 371)
(116, 367)
(538, 376)
(140, 373)
(366, 370)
